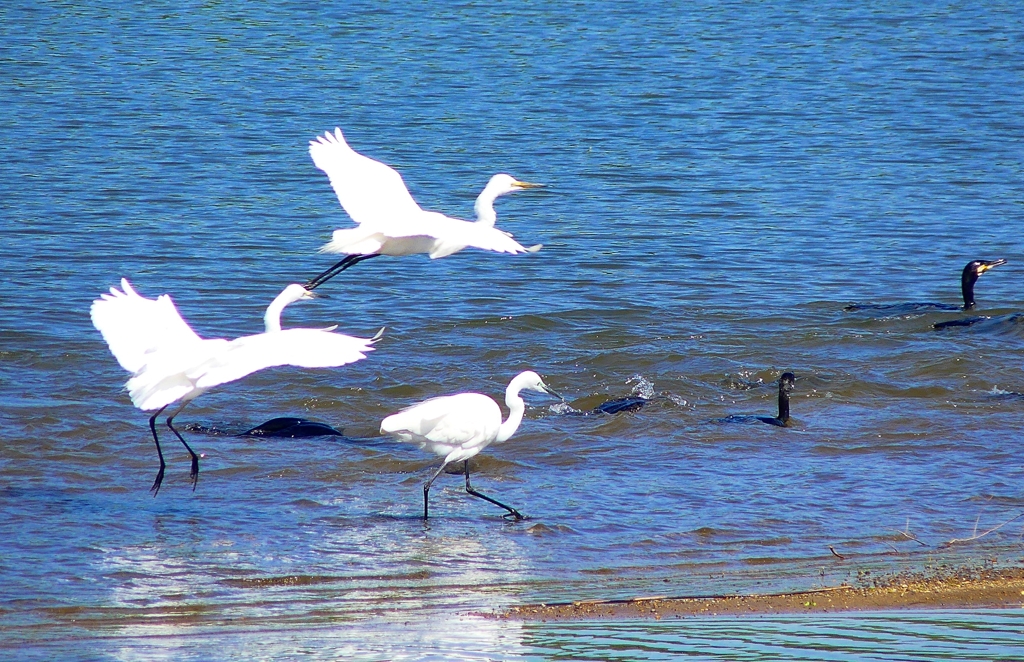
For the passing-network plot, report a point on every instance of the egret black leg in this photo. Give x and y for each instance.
(426, 487)
(194, 472)
(344, 263)
(159, 474)
(469, 488)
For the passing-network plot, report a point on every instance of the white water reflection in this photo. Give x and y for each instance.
(907, 636)
(440, 638)
(341, 570)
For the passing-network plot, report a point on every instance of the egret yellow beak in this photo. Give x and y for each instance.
(519, 184)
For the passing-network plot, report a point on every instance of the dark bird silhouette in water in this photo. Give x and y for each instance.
(1000, 323)
(291, 427)
(786, 384)
(628, 404)
(619, 405)
(968, 287)
(968, 278)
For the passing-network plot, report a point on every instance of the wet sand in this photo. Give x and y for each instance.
(962, 588)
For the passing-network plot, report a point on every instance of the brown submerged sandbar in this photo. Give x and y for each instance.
(961, 589)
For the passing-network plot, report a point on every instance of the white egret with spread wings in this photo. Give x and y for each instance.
(170, 363)
(390, 222)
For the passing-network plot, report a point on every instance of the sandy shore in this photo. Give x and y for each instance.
(963, 588)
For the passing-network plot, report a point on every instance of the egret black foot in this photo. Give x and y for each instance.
(156, 483)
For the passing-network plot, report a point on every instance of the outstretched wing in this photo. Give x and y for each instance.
(370, 191)
(453, 235)
(136, 327)
(304, 348)
(431, 233)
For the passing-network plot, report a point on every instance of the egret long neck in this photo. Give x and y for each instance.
(272, 318)
(516, 407)
(484, 207)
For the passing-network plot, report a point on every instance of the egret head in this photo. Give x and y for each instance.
(289, 295)
(296, 292)
(532, 381)
(498, 185)
(501, 184)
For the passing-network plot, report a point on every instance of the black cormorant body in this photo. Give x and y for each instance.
(619, 405)
(628, 404)
(287, 426)
(968, 277)
(963, 321)
(1012, 323)
(786, 383)
(968, 285)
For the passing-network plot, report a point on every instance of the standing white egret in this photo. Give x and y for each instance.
(457, 427)
(169, 362)
(389, 220)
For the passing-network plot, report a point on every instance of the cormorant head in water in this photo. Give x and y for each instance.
(970, 275)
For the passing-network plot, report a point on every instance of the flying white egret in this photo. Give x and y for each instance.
(457, 427)
(389, 220)
(169, 362)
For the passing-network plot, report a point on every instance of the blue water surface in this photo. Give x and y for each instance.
(722, 179)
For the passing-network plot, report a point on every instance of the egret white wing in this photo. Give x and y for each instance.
(370, 191)
(166, 376)
(433, 233)
(304, 348)
(457, 420)
(453, 235)
(135, 327)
